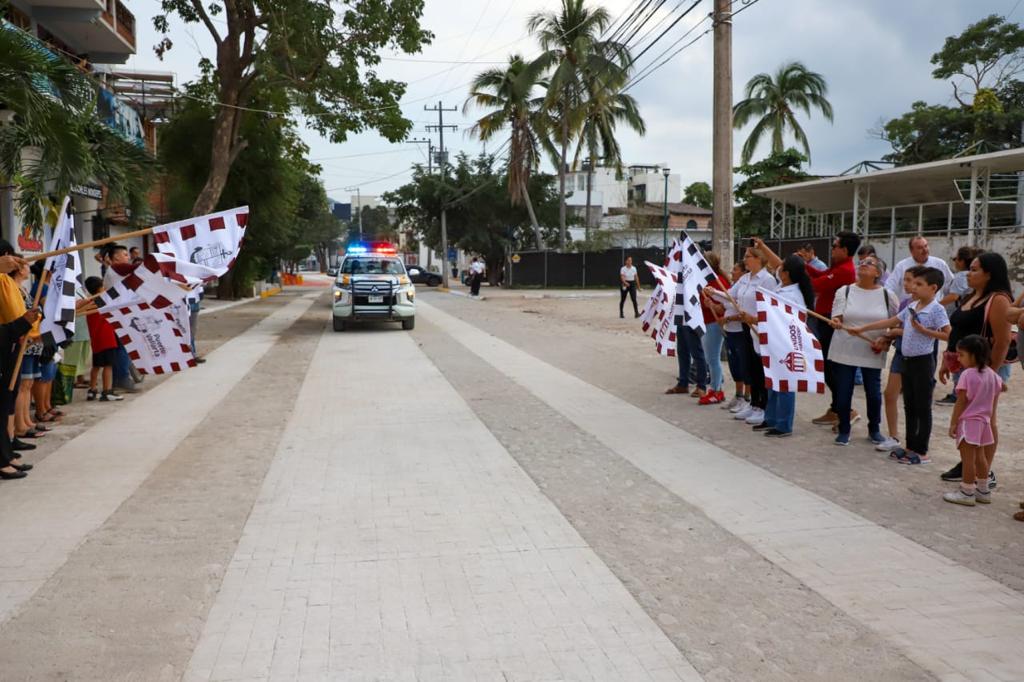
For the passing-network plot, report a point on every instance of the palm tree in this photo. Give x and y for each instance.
(509, 93)
(772, 99)
(603, 110)
(55, 138)
(581, 64)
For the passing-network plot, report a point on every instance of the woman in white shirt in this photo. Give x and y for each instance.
(796, 288)
(855, 305)
(629, 286)
(745, 294)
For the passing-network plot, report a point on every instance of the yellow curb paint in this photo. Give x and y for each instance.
(270, 292)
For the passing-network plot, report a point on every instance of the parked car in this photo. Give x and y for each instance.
(332, 271)
(420, 275)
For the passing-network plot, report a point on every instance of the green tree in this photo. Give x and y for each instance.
(771, 99)
(322, 61)
(275, 158)
(604, 108)
(753, 213)
(51, 142)
(509, 93)
(315, 225)
(988, 54)
(377, 223)
(698, 194)
(581, 64)
(481, 217)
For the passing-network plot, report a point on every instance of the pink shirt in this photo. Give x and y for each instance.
(982, 388)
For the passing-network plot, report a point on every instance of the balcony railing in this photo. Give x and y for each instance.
(120, 18)
(125, 23)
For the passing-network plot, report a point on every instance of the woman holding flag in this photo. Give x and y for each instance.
(744, 292)
(794, 287)
(857, 304)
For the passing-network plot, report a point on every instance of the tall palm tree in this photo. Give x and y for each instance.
(580, 63)
(603, 110)
(55, 138)
(772, 99)
(509, 93)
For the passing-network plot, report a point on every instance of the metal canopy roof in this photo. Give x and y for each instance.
(922, 183)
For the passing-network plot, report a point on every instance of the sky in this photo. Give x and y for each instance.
(874, 55)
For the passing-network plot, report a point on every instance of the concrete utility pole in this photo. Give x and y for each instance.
(721, 228)
(359, 207)
(442, 163)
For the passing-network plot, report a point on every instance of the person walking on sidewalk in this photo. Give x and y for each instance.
(629, 285)
(476, 276)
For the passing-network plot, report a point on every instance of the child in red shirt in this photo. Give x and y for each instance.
(104, 349)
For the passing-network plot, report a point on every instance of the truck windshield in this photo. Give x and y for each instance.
(372, 266)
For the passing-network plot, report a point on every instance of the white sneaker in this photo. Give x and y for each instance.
(888, 444)
(958, 496)
(745, 412)
(740, 405)
(731, 404)
(756, 416)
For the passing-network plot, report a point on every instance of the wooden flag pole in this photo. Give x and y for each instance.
(89, 245)
(24, 340)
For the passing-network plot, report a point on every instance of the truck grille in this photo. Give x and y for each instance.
(362, 291)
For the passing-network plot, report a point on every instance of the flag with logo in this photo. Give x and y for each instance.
(657, 315)
(144, 283)
(792, 356)
(693, 273)
(212, 241)
(154, 338)
(65, 275)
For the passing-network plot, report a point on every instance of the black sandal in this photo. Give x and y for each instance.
(12, 475)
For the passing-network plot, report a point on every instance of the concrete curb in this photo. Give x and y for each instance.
(462, 294)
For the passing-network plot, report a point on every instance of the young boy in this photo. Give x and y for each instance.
(923, 321)
(104, 348)
(894, 385)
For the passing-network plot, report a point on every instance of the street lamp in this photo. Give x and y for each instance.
(664, 230)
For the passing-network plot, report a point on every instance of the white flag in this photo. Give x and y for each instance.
(154, 339)
(657, 316)
(791, 355)
(145, 283)
(58, 323)
(211, 240)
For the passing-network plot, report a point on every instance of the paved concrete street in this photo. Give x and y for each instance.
(503, 493)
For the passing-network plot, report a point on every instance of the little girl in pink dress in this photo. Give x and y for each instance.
(977, 393)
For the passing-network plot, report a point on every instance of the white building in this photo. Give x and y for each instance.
(638, 185)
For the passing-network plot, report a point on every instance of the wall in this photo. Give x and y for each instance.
(1010, 243)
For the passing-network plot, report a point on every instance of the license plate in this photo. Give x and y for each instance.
(376, 299)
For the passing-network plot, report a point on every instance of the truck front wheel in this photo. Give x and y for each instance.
(339, 324)
(409, 324)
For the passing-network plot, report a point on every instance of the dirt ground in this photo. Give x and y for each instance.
(580, 332)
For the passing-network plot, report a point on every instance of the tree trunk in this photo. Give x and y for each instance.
(561, 182)
(533, 218)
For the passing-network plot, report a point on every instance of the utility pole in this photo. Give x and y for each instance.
(721, 228)
(430, 152)
(442, 162)
(359, 206)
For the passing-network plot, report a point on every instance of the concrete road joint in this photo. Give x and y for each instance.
(904, 591)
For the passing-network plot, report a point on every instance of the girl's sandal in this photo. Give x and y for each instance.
(45, 418)
(675, 390)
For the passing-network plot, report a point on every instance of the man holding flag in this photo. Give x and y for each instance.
(692, 273)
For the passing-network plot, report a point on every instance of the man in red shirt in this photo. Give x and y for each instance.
(840, 273)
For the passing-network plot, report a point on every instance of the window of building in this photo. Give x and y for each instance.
(691, 224)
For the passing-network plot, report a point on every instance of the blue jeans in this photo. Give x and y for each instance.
(734, 354)
(688, 347)
(780, 411)
(712, 342)
(844, 382)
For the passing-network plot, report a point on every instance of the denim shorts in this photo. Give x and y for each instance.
(48, 371)
(30, 367)
(896, 367)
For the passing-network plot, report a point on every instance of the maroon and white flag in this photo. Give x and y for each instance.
(791, 355)
(154, 338)
(212, 241)
(657, 318)
(144, 283)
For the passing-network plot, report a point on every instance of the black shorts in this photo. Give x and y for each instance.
(105, 358)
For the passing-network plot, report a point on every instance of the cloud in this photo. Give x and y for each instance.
(874, 55)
